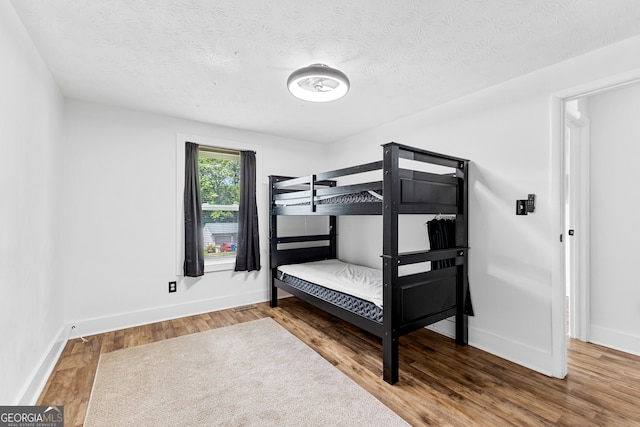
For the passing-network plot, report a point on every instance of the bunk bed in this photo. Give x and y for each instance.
(406, 302)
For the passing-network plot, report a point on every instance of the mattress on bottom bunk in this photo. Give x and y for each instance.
(353, 287)
(361, 197)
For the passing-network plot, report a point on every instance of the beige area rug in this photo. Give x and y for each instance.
(250, 374)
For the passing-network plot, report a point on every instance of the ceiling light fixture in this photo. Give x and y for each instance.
(318, 83)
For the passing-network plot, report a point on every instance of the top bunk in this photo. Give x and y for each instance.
(409, 187)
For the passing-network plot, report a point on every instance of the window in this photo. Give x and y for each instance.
(224, 150)
(220, 193)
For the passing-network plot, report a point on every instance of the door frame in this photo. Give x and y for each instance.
(577, 246)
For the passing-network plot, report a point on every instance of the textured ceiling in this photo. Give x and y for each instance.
(227, 61)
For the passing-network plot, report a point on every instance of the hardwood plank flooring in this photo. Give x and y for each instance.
(440, 384)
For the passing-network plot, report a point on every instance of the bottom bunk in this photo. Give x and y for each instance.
(355, 294)
(360, 306)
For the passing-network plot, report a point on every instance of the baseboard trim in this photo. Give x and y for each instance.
(99, 325)
(38, 379)
(86, 327)
(446, 327)
(616, 340)
(521, 354)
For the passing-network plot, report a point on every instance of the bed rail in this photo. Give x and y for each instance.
(420, 192)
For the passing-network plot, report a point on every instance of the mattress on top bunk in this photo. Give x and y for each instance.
(360, 197)
(356, 280)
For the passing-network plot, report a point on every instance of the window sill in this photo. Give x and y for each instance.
(219, 265)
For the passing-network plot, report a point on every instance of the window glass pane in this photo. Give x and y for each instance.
(220, 192)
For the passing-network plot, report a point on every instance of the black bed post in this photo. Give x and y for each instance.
(273, 243)
(462, 241)
(391, 186)
(333, 239)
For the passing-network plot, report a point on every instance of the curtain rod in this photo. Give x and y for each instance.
(221, 149)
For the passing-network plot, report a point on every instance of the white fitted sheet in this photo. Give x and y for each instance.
(359, 281)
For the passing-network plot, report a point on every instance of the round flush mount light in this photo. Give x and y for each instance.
(318, 83)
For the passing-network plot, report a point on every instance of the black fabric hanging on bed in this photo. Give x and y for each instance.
(442, 235)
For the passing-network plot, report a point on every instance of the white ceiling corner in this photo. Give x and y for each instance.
(227, 61)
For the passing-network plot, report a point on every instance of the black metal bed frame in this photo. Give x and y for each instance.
(411, 301)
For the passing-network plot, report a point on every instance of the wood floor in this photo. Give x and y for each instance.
(440, 383)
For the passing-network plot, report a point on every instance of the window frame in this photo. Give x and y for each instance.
(210, 265)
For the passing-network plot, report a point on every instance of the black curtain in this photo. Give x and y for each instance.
(248, 250)
(442, 235)
(193, 238)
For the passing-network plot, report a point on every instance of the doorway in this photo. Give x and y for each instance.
(600, 145)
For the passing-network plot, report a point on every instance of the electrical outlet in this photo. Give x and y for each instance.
(172, 287)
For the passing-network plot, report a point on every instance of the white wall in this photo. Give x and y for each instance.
(614, 207)
(510, 132)
(510, 277)
(31, 308)
(119, 217)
